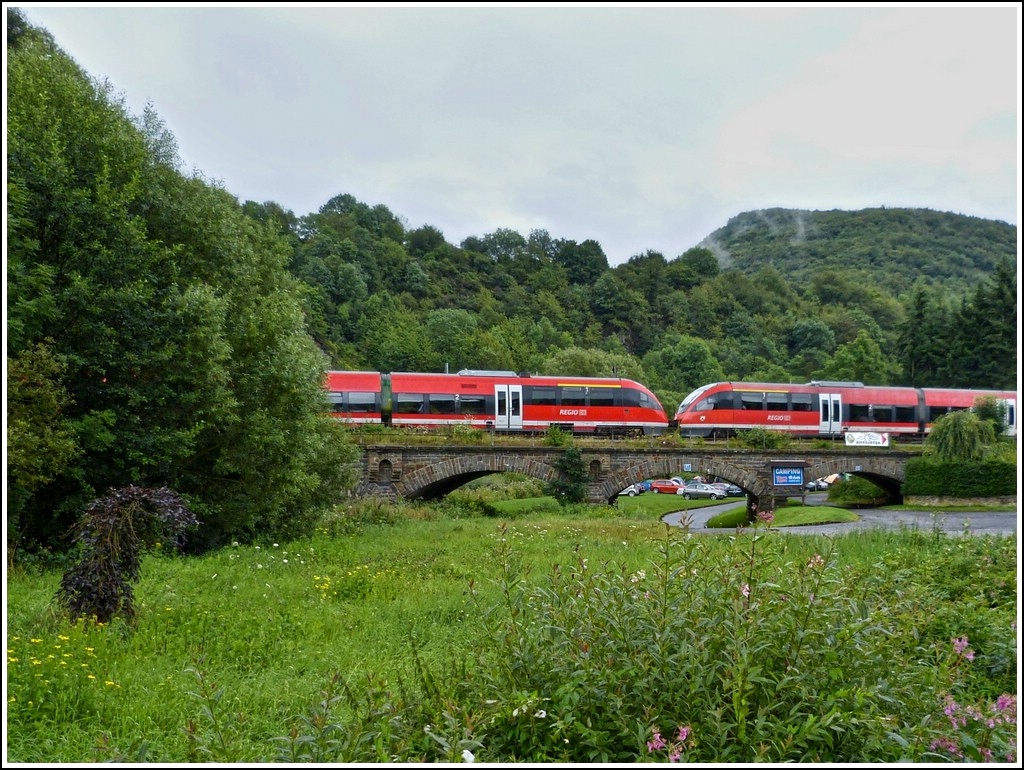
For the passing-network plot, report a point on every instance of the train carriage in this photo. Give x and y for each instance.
(826, 409)
(496, 400)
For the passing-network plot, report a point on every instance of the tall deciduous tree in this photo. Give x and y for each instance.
(187, 360)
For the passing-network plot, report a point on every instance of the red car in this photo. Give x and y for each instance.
(666, 487)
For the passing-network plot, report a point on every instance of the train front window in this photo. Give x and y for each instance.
(694, 396)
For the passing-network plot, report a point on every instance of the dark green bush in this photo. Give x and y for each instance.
(991, 477)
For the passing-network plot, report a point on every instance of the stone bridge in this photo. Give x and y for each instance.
(430, 472)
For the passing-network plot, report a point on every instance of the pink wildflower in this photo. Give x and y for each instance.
(656, 742)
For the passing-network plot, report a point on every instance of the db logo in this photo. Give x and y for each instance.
(702, 418)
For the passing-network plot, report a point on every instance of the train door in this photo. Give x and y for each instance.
(831, 414)
(508, 407)
(1009, 416)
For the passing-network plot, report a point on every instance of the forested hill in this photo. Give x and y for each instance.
(161, 331)
(895, 246)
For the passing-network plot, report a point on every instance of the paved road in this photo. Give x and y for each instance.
(958, 523)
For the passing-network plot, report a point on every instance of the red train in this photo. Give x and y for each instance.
(825, 409)
(496, 400)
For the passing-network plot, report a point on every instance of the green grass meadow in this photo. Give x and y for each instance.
(520, 631)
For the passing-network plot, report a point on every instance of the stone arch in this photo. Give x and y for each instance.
(438, 479)
(881, 471)
(662, 467)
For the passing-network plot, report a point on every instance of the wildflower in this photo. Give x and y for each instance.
(960, 645)
(684, 733)
(816, 562)
(467, 756)
(745, 590)
(1007, 702)
(766, 516)
(540, 714)
(656, 742)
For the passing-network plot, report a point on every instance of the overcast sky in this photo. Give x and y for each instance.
(638, 127)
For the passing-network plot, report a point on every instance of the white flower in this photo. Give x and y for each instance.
(540, 714)
(467, 756)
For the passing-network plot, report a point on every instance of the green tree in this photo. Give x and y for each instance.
(960, 436)
(187, 359)
(682, 364)
(924, 341)
(859, 361)
(570, 487)
(580, 362)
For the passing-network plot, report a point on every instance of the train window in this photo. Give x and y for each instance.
(631, 397)
(541, 396)
(362, 402)
(906, 414)
(474, 405)
(935, 412)
(751, 400)
(860, 413)
(722, 401)
(602, 397)
(335, 400)
(574, 396)
(776, 402)
(443, 404)
(881, 413)
(408, 403)
(802, 402)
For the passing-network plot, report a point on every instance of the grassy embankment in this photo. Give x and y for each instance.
(417, 633)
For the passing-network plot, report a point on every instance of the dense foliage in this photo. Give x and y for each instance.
(577, 634)
(155, 334)
(162, 333)
(111, 538)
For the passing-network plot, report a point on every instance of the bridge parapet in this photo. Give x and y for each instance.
(429, 472)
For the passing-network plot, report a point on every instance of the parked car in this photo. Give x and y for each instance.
(695, 489)
(632, 490)
(666, 487)
(731, 490)
(644, 486)
(817, 485)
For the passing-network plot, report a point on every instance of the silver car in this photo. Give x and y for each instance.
(695, 489)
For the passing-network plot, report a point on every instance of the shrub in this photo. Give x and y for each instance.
(111, 537)
(571, 487)
(763, 438)
(758, 657)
